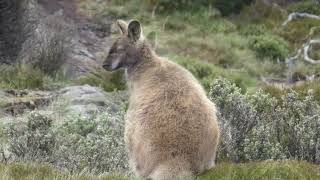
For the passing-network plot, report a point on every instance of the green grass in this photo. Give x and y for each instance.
(23, 76)
(242, 48)
(20, 171)
(108, 81)
(264, 171)
(224, 171)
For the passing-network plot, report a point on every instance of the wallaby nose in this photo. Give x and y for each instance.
(106, 66)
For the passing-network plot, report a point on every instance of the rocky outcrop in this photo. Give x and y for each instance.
(17, 102)
(29, 25)
(84, 100)
(87, 100)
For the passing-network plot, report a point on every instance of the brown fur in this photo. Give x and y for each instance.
(171, 129)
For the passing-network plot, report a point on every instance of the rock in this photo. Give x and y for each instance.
(88, 100)
(84, 100)
(17, 102)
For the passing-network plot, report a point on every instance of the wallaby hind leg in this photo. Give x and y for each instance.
(172, 170)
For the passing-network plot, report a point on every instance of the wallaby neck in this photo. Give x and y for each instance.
(146, 59)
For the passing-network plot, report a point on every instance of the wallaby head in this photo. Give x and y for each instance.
(127, 49)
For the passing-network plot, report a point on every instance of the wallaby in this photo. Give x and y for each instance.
(171, 128)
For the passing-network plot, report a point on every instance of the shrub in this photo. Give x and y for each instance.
(108, 81)
(253, 30)
(297, 31)
(77, 145)
(225, 6)
(91, 145)
(33, 140)
(51, 46)
(308, 6)
(230, 6)
(203, 71)
(259, 127)
(20, 77)
(264, 13)
(269, 46)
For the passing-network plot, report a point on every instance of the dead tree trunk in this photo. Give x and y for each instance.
(11, 35)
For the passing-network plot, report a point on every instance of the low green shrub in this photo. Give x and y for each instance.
(78, 144)
(263, 13)
(21, 77)
(269, 46)
(307, 6)
(253, 30)
(108, 81)
(260, 127)
(94, 145)
(297, 31)
(203, 71)
(301, 89)
(228, 7)
(33, 140)
(206, 73)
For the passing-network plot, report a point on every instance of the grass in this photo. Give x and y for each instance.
(207, 37)
(264, 170)
(23, 76)
(108, 81)
(224, 171)
(22, 171)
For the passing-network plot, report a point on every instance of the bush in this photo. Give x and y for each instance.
(33, 140)
(308, 6)
(296, 32)
(108, 81)
(76, 145)
(253, 30)
(21, 77)
(203, 71)
(269, 46)
(51, 46)
(225, 6)
(230, 6)
(259, 127)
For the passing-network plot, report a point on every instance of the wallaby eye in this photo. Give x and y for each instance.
(120, 48)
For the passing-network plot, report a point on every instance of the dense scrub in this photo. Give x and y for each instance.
(78, 144)
(254, 127)
(260, 127)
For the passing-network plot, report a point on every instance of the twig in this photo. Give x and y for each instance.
(296, 15)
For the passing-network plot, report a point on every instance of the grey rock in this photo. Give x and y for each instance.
(88, 100)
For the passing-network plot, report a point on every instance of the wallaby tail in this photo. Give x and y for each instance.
(174, 169)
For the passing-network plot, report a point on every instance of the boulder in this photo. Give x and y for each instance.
(88, 101)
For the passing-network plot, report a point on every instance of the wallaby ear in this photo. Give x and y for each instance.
(134, 30)
(152, 38)
(123, 26)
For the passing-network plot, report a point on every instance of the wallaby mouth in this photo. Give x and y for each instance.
(107, 66)
(111, 65)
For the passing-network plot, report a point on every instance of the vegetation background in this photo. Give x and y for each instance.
(61, 115)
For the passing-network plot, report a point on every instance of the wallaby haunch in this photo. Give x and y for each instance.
(171, 128)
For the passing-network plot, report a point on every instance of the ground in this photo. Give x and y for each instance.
(248, 49)
(225, 171)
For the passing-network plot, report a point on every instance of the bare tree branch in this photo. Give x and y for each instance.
(304, 52)
(296, 15)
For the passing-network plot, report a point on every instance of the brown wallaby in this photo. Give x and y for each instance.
(171, 128)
